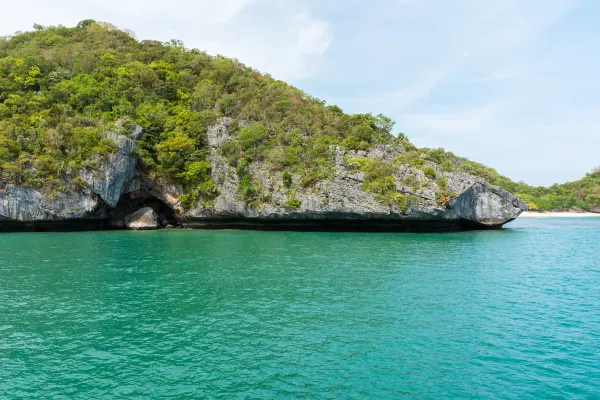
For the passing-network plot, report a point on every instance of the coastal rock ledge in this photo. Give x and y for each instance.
(119, 195)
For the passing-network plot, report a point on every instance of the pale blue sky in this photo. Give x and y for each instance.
(510, 83)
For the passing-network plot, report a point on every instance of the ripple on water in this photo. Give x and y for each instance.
(176, 314)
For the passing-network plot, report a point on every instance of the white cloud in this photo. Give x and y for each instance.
(285, 42)
(283, 39)
(312, 36)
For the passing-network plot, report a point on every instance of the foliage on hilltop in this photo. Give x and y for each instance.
(62, 89)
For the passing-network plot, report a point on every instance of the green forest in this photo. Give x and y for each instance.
(62, 89)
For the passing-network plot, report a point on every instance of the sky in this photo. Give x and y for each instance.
(512, 84)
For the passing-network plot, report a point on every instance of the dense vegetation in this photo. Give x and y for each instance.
(62, 89)
(583, 194)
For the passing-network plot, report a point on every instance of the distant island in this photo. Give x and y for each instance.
(99, 130)
(582, 195)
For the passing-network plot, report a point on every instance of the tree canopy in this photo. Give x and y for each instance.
(62, 89)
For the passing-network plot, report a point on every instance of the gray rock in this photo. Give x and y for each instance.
(137, 132)
(459, 182)
(385, 152)
(117, 170)
(487, 205)
(142, 219)
(26, 205)
(136, 183)
(346, 196)
(219, 133)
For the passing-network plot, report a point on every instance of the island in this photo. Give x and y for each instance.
(101, 131)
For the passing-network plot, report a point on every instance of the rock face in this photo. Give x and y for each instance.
(487, 205)
(341, 203)
(109, 180)
(30, 209)
(143, 219)
(31, 205)
(81, 207)
(117, 196)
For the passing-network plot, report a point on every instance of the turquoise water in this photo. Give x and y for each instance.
(233, 314)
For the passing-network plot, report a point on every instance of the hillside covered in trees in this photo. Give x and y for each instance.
(63, 89)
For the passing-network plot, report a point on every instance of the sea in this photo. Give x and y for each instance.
(193, 314)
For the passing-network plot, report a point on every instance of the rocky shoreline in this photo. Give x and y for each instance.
(118, 195)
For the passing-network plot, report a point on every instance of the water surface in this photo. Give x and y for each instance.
(237, 314)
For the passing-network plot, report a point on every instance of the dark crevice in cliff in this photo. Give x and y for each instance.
(134, 201)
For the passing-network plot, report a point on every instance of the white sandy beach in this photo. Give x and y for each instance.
(558, 214)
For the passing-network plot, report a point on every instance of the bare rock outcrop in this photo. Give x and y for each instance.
(487, 205)
(25, 204)
(116, 171)
(143, 219)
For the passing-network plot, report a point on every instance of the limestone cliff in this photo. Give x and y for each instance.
(116, 190)
(342, 201)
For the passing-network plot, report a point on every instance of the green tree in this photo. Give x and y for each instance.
(173, 153)
(252, 137)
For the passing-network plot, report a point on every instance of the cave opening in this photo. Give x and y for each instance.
(134, 201)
